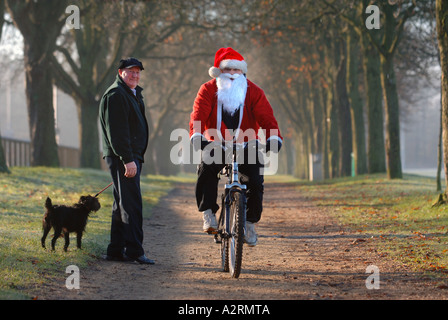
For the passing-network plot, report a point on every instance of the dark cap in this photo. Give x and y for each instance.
(129, 63)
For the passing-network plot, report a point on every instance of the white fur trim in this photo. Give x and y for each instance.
(238, 130)
(194, 135)
(218, 121)
(276, 138)
(214, 72)
(234, 64)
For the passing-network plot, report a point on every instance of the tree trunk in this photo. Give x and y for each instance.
(442, 35)
(374, 102)
(440, 149)
(318, 116)
(302, 168)
(3, 166)
(88, 134)
(387, 49)
(393, 152)
(356, 105)
(40, 25)
(39, 93)
(327, 123)
(333, 141)
(344, 121)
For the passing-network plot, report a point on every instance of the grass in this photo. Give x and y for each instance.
(396, 216)
(24, 264)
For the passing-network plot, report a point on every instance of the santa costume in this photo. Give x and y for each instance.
(231, 107)
(254, 111)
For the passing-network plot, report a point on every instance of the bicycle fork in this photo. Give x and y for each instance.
(226, 201)
(231, 187)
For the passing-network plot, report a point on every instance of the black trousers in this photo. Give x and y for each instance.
(249, 174)
(126, 234)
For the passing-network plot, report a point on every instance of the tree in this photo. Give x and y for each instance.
(395, 16)
(343, 110)
(40, 22)
(442, 32)
(109, 32)
(3, 165)
(374, 100)
(354, 14)
(393, 28)
(385, 41)
(356, 103)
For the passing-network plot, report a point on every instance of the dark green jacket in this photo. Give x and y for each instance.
(123, 122)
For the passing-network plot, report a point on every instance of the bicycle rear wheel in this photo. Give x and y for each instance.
(235, 242)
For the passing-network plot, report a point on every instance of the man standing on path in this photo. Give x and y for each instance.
(125, 139)
(231, 108)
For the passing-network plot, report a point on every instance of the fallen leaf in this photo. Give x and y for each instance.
(358, 241)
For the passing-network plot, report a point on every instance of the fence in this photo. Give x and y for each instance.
(18, 154)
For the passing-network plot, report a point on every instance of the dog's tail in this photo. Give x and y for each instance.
(48, 205)
(46, 222)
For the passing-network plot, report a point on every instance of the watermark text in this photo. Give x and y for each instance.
(72, 281)
(73, 20)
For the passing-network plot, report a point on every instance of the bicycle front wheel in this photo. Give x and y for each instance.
(235, 244)
(224, 240)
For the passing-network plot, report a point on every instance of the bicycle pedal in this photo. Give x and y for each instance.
(211, 231)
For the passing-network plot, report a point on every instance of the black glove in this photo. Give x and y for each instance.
(199, 143)
(252, 144)
(275, 145)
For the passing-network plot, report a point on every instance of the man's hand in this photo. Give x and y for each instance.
(273, 145)
(130, 169)
(199, 143)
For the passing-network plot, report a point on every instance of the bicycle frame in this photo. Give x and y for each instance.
(233, 185)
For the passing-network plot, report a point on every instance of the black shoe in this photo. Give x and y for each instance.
(122, 258)
(144, 260)
(113, 258)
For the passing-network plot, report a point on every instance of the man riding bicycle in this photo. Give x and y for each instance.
(231, 107)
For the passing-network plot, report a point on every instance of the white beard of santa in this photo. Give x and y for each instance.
(231, 91)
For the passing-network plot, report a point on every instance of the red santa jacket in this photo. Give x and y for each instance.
(206, 118)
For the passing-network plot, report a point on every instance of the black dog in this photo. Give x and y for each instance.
(68, 219)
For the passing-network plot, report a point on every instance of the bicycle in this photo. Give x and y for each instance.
(232, 217)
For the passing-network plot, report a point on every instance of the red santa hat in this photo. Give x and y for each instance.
(227, 58)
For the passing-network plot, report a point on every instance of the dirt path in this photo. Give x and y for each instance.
(302, 254)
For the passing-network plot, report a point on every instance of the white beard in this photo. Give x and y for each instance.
(231, 93)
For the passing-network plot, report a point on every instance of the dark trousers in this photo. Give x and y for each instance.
(126, 234)
(207, 188)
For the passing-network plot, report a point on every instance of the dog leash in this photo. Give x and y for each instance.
(103, 190)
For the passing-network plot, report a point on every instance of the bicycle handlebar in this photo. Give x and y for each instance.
(238, 146)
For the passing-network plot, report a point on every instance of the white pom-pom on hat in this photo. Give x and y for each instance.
(214, 72)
